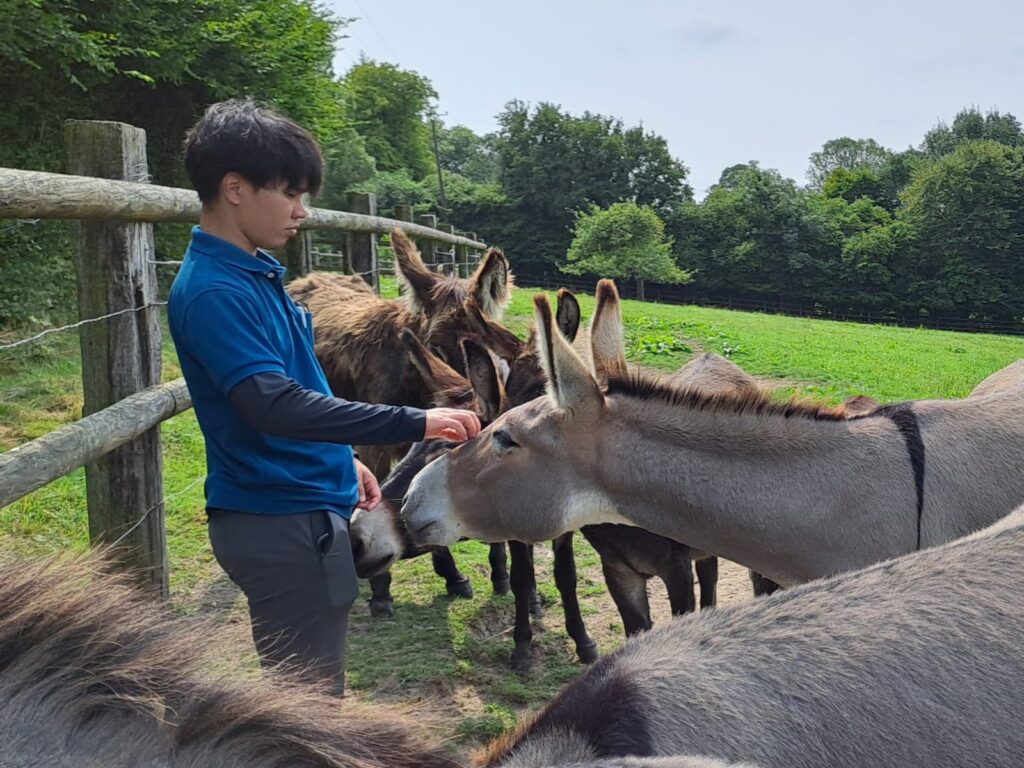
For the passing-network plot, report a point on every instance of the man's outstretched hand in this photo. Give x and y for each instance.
(451, 424)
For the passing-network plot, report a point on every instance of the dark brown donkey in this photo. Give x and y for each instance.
(629, 556)
(93, 674)
(358, 343)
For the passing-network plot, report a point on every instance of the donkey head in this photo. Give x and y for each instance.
(529, 475)
(429, 293)
(451, 307)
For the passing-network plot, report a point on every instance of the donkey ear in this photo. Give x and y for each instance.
(607, 349)
(570, 385)
(568, 314)
(439, 377)
(493, 334)
(490, 394)
(491, 284)
(416, 280)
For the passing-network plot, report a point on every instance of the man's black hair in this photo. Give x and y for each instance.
(256, 142)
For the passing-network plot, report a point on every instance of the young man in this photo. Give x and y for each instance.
(282, 479)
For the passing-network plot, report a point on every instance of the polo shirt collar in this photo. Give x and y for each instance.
(229, 253)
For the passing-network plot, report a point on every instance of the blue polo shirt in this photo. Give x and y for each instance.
(231, 318)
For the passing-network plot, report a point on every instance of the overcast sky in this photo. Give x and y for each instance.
(724, 82)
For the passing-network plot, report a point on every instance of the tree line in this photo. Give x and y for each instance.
(933, 229)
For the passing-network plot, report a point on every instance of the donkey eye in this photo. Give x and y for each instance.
(503, 441)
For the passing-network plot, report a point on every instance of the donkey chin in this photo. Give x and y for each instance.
(427, 508)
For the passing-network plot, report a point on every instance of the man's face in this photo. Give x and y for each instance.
(269, 216)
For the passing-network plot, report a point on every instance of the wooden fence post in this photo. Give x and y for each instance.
(446, 258)
(121, 355)
(428, 248)
(298, 254)
(362, 246)
(462, 258)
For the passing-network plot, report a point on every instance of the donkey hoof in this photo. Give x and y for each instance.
(382, 609)
(587, 653)
(460, 589)
(502, 586)
(520, 662)
(536, 609)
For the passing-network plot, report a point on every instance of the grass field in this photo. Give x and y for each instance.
(450, 657)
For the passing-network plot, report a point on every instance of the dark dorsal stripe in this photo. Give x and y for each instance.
(903, 416)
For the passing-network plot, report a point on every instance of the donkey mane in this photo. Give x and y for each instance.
(748, 402)
(84, 648)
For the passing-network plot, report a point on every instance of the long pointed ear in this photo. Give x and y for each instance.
(491, 284)
(417, 281)
(447, 386)
(487, 386)
(493, 334)
(607, 348)
(568, 315)
(570, 384)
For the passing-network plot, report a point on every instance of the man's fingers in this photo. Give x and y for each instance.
(455, 430)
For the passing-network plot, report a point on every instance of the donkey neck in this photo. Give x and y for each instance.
(794, 497)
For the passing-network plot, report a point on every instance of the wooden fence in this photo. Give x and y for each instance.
(113, 209)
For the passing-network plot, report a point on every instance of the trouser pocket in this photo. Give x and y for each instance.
(336, 564)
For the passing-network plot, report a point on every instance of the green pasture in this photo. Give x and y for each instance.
(450, 656)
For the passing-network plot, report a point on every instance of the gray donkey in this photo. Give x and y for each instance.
(795, 491)
(915, 662)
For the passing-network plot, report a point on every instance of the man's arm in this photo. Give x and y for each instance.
(278, 405)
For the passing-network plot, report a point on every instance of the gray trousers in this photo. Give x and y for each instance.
(299, 578)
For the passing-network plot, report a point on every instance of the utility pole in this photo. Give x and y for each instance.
(437, 161)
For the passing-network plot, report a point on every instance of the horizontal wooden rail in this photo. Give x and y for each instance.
(43, 460)
(40, 195)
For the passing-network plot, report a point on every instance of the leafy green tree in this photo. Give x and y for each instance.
(971, 125)
(156, 65)
(389, 106)
(463, 152)
(554, 164)
(968, 211)
(624, 240)
(844, 153)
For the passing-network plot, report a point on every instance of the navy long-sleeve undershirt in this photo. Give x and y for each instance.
(280, 406)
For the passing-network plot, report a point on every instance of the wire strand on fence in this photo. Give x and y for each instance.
(80, 323)
(162, 501)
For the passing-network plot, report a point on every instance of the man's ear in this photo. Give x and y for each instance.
(231, 186)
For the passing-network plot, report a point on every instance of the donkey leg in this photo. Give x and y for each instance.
(382, 605)
(707, 576)
(536, 610)
(762, 584)
(499, 569)
(524, 584)
(629, 591)
(677, 573)
(456, 581)
(565, 580)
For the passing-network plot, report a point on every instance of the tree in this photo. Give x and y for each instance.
(388, 107)
(553, 164)
(463, 152)
(971, 125)
(625, 240)
(844, 153)
(967, 209)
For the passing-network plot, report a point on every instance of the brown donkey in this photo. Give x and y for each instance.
(93, 674)
(794, 491)
(358, 342)
(378, 538)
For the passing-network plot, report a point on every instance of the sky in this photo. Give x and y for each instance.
(724, 82)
